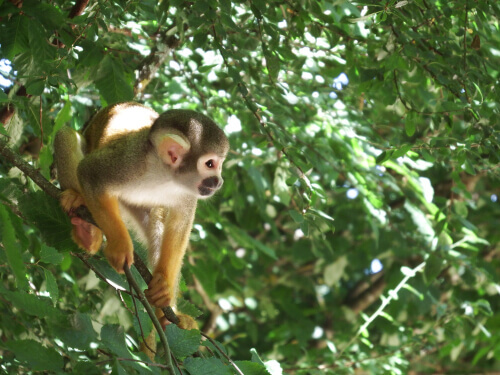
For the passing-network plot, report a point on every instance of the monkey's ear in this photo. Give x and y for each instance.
(171, 148)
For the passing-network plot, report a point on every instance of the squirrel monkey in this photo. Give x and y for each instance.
(137, 170)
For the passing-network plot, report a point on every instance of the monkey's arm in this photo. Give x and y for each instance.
(100, 176)
(162, 289)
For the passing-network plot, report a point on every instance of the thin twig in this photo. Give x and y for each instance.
(222, 352)
(81, 212)
(465, 46)
(28, 170)
(153, 317)
(90, 266)
(139, 322)
(151, 364)
(385, 301)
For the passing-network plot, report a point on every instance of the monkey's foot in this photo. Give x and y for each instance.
(86, 236)
(159, 293)
(71, 199)
(185, 321)
(118, 253)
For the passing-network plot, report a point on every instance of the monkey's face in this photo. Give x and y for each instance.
(209, 168)
(194, 163)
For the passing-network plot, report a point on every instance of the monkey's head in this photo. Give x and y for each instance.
(193, 148)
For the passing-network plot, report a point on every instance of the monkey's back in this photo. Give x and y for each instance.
(116, 120)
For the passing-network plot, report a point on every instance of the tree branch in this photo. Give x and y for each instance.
(150, 65)
(27, 169)
(82, 212)
(78, 8)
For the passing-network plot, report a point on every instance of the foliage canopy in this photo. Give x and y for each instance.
(358, 223)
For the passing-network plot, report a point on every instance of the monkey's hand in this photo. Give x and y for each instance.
(119, 253)
(159, 292)
(71, 200)
(105, 209)
(160, 295)
(86, 236)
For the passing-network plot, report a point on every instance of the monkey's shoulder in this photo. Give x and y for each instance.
(116, 121)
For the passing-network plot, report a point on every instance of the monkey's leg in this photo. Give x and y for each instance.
(162, 289)
(106, 212)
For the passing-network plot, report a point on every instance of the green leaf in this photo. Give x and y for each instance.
(482, 306)
(433, 266)
(206, 68)
(182, 342)
(15, 39)
(256, 357)
(401, 151)
(327, 217)
(469, 167)
(113, 337)
(3, 97)
(296, 216)
(51, 285)
(281, 189)
(207, 279)
(410, 124)
(50, 255)
(245, 239)
(46, 214)
(113, 84)
(215, 346)
(206, 366)
(91, 55)
(48, 14)
(461, 208)
(62, 117)
(384, 155)
(75, 331)
(188, 308)
(12, 249)
(35, 356)
(251, 368)
(273, 66)
(42, 51)
(102, 266)
(37, 306)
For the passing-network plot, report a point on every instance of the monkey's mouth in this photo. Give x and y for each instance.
(209, 186)
(206, 191)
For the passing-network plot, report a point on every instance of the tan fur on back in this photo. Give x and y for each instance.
(122, 118)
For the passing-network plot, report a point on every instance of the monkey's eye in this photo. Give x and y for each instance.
(210, 164)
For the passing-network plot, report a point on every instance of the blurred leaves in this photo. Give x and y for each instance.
(364, 142)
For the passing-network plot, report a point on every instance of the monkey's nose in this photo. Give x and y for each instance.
(210, 185)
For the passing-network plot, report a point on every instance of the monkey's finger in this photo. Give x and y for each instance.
(118, 259)
(164, 322)
(158, 297)
(71, 199)
(158, 292)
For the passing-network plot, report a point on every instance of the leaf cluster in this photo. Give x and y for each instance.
(358, 223)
